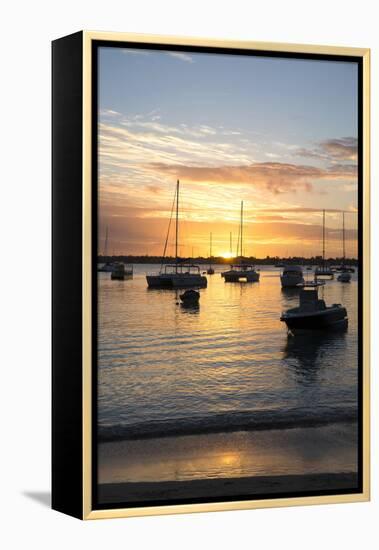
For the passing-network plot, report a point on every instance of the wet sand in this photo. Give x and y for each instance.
(109, 493)
(238, 455)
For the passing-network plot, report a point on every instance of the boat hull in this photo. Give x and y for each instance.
(236, 276)
(344, 278)
(291, 282)
(176, 281)
(333, 318)
(324, 273)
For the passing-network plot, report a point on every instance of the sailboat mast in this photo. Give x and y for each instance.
(177, 226)
(343, 236)
(323, 237)
(106, 242)
(210, 246)
(241, 225)
(231, 246)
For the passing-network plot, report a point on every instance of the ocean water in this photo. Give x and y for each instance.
(229, 365)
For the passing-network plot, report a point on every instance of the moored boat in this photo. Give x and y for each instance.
(292, 276)
(190, 297)
(121, 271)
(179, 274)
(242, 271)
(210, 269)
(106, 267)
(344, 276)
(323, 270)
(313, 314)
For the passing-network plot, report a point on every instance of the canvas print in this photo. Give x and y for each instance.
(228, 319)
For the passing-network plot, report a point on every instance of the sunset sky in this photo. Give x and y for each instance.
(279, 134)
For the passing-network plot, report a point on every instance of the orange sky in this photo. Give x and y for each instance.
(285, 173)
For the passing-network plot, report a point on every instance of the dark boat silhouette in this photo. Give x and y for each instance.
(313, 314)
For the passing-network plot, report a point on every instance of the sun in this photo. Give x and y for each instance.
(226, 255)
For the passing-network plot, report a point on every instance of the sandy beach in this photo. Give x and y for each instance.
(246, 463)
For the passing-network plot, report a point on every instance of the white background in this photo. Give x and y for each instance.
(26, 31)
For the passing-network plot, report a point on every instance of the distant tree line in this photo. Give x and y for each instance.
(269, 260)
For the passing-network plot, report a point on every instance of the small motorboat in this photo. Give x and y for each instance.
(121, 272)
(190, 297)
(313, 314)
(108, 267)
(292, 276)
(344, 277)
(210, 271)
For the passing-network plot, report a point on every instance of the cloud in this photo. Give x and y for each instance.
(182, 56)
(340, 149)
(135, 144)
(300, 210)
(109, 113)
(136, 51)
(276, 177)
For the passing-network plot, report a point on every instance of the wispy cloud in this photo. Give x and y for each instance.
(109, 113)
(182, 56)
(136, 51)
(340, 149)
(273, 176)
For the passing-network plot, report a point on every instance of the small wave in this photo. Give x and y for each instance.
(228, 422)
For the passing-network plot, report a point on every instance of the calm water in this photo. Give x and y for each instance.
(166, 369)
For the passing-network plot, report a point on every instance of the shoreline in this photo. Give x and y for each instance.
(222, 423)
(135, 492)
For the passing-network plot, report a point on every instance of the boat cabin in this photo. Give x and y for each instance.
(181, 269)
(309, 300)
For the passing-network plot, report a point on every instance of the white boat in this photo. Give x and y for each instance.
(314, 314)
(323, 270)
(344, 276)
(292, 276)
(179, 274)
(242, 271)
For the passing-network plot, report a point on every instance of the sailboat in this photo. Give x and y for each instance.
(107, 267)
(210, 269)
(323, 270)
(179, 274)
(241, 271)
(344, 276)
